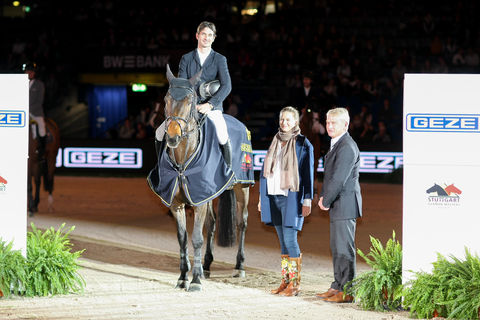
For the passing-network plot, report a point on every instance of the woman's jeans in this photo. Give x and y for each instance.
(286, 235)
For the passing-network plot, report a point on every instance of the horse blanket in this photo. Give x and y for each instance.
(205, 175)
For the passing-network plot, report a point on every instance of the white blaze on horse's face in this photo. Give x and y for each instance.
(179, 109)
(287, 121)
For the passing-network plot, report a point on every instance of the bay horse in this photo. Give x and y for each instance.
(41, 168)
(183, 136)
(311, 129)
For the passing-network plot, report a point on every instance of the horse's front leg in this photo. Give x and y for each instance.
(242, 196)
(197, 241)
(210, 230)
(178, 211)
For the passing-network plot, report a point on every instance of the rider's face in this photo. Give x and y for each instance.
(205, 38)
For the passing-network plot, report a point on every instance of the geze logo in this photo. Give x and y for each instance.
(12, 118)
(443, 122)
(102, 158)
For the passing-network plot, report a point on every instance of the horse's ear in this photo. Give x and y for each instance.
(170, 75)
(194, 80)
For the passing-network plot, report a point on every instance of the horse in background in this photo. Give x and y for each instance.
(179, 149)
(45, 168)
(311, 128)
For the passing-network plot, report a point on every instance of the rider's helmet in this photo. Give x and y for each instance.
(29, 66)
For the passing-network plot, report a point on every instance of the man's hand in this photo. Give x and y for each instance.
(204, 107)
(320, 204)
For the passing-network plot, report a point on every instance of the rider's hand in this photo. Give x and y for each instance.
(204, 107)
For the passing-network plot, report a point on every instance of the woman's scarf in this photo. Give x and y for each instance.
(288, 159)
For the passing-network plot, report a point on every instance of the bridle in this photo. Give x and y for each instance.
(186, 130)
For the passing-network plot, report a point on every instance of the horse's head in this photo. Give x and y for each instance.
(452, 189)
(180, 111)
(434, 188)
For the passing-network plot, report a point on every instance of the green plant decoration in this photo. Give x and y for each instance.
(381, 288)
(51, 266)
(451, 290)
(464, 297)
(12, 270)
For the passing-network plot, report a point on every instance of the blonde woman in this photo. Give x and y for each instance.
(286, 193)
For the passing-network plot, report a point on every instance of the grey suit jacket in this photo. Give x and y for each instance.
(36, 96)
(341, 188)
(214, 67)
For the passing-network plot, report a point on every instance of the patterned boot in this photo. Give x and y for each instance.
(284, 282)
(294, 268)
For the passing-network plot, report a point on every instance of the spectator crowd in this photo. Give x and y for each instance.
(353, 53)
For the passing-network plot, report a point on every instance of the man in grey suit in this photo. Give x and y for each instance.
(341, 195)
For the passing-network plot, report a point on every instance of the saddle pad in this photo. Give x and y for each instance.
(206, 174)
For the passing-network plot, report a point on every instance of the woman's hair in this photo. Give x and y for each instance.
(293, 111)
(339, 113)
(207, 24)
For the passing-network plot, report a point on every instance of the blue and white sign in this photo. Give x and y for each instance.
(441, 168)
(14, 118)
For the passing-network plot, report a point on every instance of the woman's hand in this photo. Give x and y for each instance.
(259, 206)
(306, 210)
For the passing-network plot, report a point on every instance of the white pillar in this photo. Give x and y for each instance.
(13, 159)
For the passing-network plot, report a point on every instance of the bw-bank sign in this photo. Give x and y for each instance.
(442, 122)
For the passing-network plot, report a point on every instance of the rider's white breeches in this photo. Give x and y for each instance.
(41, 125)
(218, 120)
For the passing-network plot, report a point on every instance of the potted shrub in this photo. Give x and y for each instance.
(451, 290)
(381, 288)
(51, 266)
(12, 270)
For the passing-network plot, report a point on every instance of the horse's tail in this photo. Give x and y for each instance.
(227, 224)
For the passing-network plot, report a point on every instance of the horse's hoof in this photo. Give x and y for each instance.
(181, 285)
(195, 287)
(206, 274)
(238, 273)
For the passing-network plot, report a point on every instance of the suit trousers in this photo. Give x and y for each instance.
(342, 245)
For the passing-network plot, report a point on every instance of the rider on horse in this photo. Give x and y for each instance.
(215, 84)
(36, 97)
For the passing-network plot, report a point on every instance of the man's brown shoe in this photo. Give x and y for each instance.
(331, 292)
(339, 298)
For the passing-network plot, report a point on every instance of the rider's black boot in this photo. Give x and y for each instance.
(227, 153)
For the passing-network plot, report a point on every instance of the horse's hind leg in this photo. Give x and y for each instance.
(210, 230)
(197, 241)
(48, 178)
(242, 194)
(178, 211)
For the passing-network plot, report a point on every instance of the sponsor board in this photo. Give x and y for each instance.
(425, 122)
(9, 118)
(102, 158)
